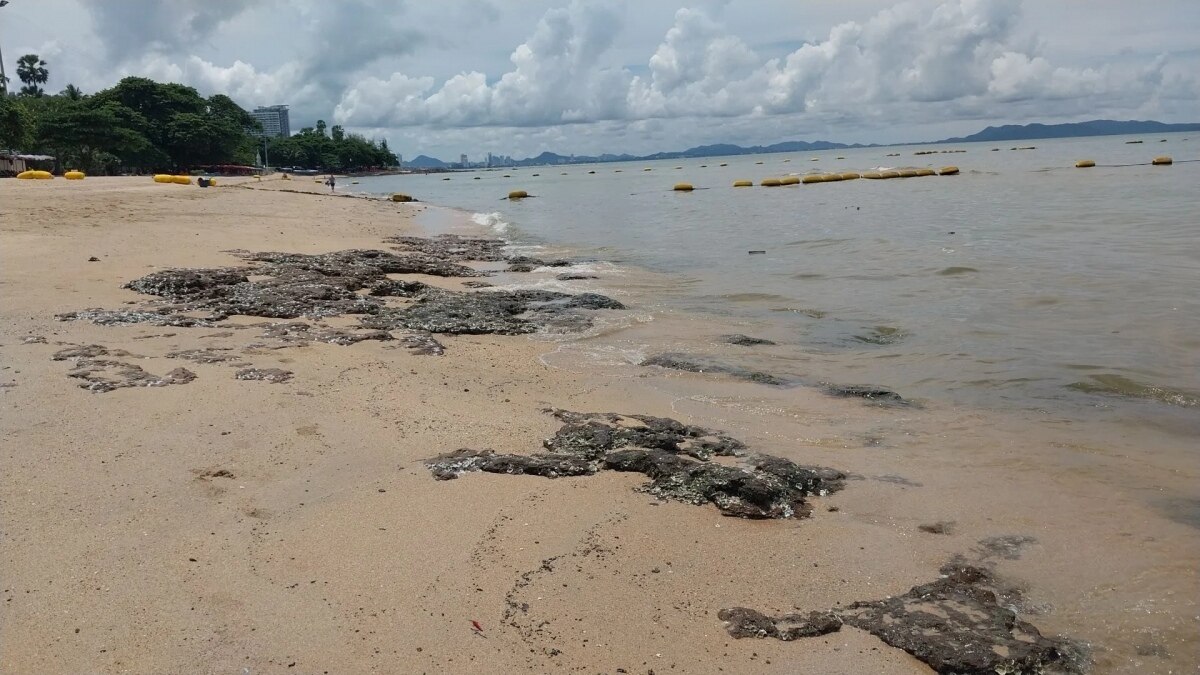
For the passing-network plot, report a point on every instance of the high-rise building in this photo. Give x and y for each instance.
(274, 120)
(462, 161)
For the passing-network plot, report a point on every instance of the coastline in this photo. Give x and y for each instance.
(330, 546)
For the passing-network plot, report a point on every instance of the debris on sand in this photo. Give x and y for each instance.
(673, 455)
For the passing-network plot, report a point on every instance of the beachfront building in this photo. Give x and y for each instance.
(274, 121)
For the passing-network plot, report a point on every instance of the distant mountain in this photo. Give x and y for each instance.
(1008, 132)
(1022, 132)
(425, 162)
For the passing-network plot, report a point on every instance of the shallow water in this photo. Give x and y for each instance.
(1023, 282)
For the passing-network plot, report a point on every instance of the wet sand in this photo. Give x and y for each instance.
(225, 524)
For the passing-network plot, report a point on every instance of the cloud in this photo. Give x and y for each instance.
(133, 27)
(911, 59)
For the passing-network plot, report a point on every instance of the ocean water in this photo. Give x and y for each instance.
(1022, 283)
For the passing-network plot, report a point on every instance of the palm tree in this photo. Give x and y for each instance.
(72, 92)
(32, 71)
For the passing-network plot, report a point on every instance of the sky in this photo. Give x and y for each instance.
(637, 76)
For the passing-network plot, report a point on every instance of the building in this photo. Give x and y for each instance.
(274, 120)
(462, 161)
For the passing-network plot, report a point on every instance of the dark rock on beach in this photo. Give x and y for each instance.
(957, 624)
(524, 263)
(117, 317)
(745, 340)
(693, 364)
(574, 276)
(501, 312)
(293, 285)
(673, 455)
(452, 247)
(273, 375)
(868, 392)
(593, 435)
(366, 262)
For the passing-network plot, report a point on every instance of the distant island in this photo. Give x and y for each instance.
(1008, 132)
(1022, 132)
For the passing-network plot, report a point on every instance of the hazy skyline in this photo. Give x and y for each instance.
(586, 77)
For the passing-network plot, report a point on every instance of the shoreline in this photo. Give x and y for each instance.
(327, 488)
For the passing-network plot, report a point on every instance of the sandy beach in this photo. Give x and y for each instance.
(225, 525)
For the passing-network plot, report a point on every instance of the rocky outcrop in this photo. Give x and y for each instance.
(675, 456)
(693, 364)
(956, 624)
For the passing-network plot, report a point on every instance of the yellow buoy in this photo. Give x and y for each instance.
(518, 194)
(889, 174)
(949, 171)
(832, 177)
(1162, 161)
(181, 180)
(1084, 164)
(34, 174)
(400, 197)
(813, 178)
(743, 183)
(789, 180)
(926, 172)
(851, 175)
(163, 178)
(683, 187)
(770, 182)
(908, 173)
(873, 175)
(73, 175)
(212, 182)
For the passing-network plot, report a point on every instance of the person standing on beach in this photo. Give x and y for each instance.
(331, 182)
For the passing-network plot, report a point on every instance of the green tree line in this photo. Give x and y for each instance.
(140, 125)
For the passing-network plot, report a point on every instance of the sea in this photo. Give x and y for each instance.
(1022, 282)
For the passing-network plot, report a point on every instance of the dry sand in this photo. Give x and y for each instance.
(321, 544)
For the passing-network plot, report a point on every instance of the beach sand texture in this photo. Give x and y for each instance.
(228, 524)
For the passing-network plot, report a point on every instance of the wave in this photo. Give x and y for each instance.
(493, 221)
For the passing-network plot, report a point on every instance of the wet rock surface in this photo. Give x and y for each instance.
(274, 375)
(693, 364)
(575, 276)
(745, 340)
(500, 312)
(957, 624)
(866, 392)
(362, 263)
(452, 247)
(673, 455)
(523, 263)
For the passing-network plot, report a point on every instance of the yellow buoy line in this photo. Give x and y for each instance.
(1161, 160)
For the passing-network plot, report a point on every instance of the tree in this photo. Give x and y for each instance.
(72, 92)
(16, 127)
(33, 74)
